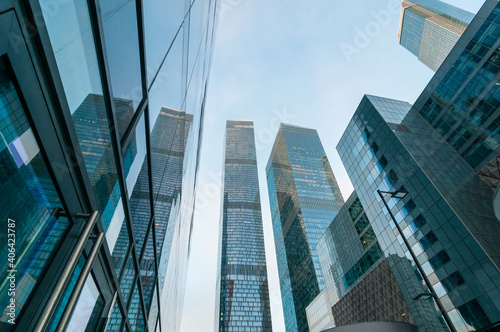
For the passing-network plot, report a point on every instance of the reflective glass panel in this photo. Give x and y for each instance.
(115, 319)
(66, 295)
(88, 309)
(138, 185)
(128, 278)
(148, 274)
(162, 20)
(167, 152)
(70, 33)
(197, 28)
(95, 142)
(153, 310)
(119, 246)
(135, 312)
(30, 229)
(122, 48)
(72, 40)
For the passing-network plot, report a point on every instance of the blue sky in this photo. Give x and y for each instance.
(304, 62)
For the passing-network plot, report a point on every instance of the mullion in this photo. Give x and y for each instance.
(153, 218)
(127, 136)
(98, 30)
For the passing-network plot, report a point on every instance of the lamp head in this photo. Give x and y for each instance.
(399, 194)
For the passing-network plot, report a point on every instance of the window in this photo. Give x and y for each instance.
(362, 223)
(453, 281)
(356, 209)
(368, 238)
(428, 240)
(474, 315)
(439, 260)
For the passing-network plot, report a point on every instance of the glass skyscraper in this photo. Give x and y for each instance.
(102, 107)
(446, 216)
(304, 198)
(242, 288)
(430, 28)
(461, 101)
(359, 285)
(442, 153)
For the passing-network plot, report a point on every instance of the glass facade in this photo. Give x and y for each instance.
(360, 287)
(446, 216)
(101, 115)
(461, 102)
(242, 302)
(430, 28)
(304, 198)
(29, 200)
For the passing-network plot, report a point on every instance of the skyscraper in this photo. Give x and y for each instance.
(461, 101)
(101, 115)
(359, 285)
(430, 28)
(437, 153)
(446, 215)
(304, 198)
(242, 286)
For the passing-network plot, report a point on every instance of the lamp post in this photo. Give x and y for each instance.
(400, 194)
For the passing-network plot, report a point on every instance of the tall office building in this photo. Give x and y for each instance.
(446, 214)
(304, 198)
(359, 285)
(102, 108)
(430, 28)
(438, 154)
(242, 286)
(461, 101)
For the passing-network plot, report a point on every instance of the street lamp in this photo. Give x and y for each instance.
(400, 194)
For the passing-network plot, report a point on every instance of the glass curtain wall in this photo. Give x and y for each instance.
(130, 77)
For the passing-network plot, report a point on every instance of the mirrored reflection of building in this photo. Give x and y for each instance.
(99, 158)
(168, 142)
(445, 215)
(242, 299)
(304, 198)
(430, 28)
(359, 285)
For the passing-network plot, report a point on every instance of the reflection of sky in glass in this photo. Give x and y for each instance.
(74, 49)
(122, 47)
(160, 31)
(84, 306)
(166, 90)
(135, 168)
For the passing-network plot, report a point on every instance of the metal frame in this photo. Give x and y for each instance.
(417, 263)
(70, 306)
(26, 67)
(57, 293)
